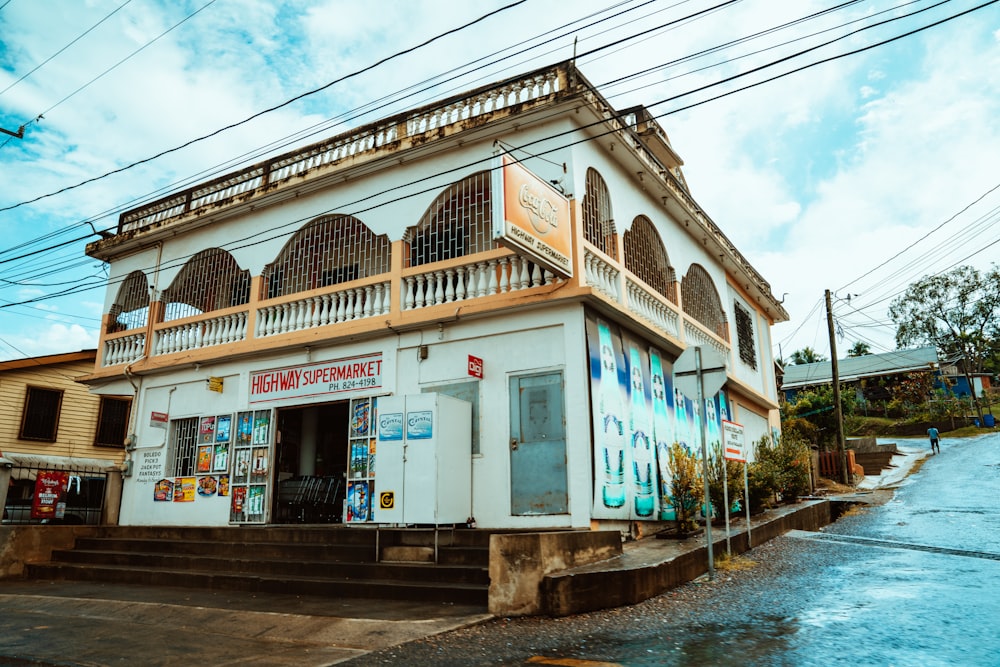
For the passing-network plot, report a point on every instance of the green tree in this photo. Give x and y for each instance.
(684, 486)
(859, 349)
(815, 407)
(958, 312)
(806, 355)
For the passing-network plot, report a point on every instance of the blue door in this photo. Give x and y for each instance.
(537, 445)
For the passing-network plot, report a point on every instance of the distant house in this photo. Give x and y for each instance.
(954, 380)
(859, 372)
(53, 424)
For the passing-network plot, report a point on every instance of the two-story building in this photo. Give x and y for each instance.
(297, 332)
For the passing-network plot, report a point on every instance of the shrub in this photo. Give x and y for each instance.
(721, 473)
(684, 487)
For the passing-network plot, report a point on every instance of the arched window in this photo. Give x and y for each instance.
(646, 257)
(598, 221)
(701, 301)
(211, 280)
(131, 307)
(327, 251)
(458, 223)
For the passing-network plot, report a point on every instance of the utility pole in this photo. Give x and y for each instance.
(837, 413)
(19, 134)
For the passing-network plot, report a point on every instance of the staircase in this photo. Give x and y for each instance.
(447, 565)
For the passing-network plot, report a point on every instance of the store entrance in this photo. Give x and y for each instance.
(311, 464)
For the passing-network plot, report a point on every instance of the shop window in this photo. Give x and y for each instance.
(464, 391)
(112, 422)
(183, 447)
(40, 419)
(744, 336)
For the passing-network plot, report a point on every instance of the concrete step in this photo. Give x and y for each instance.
(295, 585)
(386, 563)
(251, 563)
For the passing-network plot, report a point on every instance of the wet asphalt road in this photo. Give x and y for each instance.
(913, 582)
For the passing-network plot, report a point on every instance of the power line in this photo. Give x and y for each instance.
(273, 108)
(545, 139)
(54, 55)
(216, 170)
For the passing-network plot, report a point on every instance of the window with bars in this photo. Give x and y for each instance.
(112, 422)
(598, 221)
(131, 307)
(211, 280)
(646, 257)
(744, 336)
(183, 447)
(701, 300)
(40, 418)
(458, 223)
(327, 251)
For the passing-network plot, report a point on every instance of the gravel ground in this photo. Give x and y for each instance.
(689, 625)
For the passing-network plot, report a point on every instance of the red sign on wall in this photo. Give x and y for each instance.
(50, 490)
(475, 367)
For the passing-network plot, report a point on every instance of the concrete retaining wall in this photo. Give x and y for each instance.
(627, 583)
(32, 544)
(520, 561)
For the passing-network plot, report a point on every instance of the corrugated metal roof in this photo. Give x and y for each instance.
(854, 368)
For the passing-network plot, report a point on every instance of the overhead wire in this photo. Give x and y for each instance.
(74, 41)
(548, 138)
(270, 109)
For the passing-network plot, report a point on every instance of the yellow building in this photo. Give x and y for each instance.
(51, 422)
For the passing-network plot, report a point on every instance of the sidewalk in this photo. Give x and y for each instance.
(78, 623)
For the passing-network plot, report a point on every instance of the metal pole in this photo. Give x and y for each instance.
(725, 500)
(704, 462)
(746, 496)
(837, 414)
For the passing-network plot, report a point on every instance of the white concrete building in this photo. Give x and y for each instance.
(523, 247)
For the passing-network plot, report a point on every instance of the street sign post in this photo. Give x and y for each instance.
(702, 371)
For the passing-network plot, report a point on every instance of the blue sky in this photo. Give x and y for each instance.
(818, 177)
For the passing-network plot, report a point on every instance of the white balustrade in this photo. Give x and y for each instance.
(472, 281)
(319, 311)
(693, 335)
(220, 330)
(124, 350)
(601, 276)
(651, 307)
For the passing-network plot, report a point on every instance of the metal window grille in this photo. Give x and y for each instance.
(131, 307)
(112, 422)
(183, 446)
(327, 251)
(211, 280)
(84, 494)
(646, 257)
(744, 336)
(701, 300)
(598, 221)
(40, 419)
(458, 223)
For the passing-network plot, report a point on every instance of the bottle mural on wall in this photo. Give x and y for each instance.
(640, 431)
(663, 430)
(684, 434)
(612, 432)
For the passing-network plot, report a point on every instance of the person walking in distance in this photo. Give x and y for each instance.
(932, 433)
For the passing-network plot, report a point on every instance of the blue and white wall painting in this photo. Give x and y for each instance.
(637, 414)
